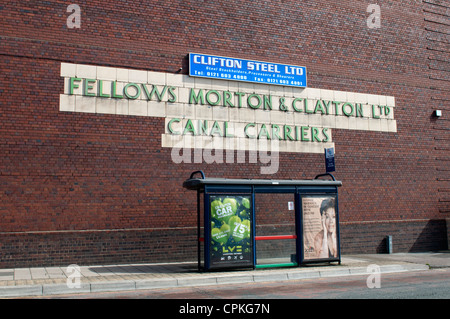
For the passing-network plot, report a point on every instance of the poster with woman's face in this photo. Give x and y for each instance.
(319, 227)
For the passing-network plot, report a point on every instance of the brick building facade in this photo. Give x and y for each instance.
(87, 177)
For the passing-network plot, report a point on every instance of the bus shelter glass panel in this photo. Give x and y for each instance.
(319, 228)
(275, 238)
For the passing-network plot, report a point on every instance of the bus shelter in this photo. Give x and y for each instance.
(262, 223)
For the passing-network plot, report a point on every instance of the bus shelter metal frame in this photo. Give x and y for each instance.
(250, 187)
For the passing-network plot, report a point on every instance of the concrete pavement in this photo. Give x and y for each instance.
(73, 279)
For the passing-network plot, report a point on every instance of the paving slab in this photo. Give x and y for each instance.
(118, 285)
(156, 283)
(41, 281)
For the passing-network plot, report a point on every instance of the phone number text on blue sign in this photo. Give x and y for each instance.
(217, 67)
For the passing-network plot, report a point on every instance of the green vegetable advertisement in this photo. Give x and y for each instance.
(231, 239)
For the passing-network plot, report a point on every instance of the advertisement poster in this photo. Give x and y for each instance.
(320, 240)
(231, 231)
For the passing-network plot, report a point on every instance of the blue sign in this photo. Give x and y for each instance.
(216, 67)
(329, 160)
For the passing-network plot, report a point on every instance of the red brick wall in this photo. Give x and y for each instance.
(407, 236)
(91, 188)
